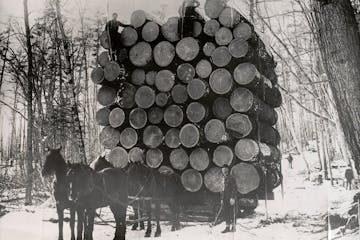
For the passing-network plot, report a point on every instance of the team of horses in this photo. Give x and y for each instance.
(84, 188)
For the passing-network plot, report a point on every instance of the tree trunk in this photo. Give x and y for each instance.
(339, 41)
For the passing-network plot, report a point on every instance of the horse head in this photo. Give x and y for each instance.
(54, 162)
(100, 163)
(81, 179)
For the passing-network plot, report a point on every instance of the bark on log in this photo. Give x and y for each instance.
(138, 18)
(203, 68)
(103, 58)
(243, 100)
(150, 78)
(185, 72)
(162, 99)
(221, 56)
(187, 49)
(136, 154)
(215, 131)
(118, 157)
(189, 135)
(153, 136)
(223, 36)
(127, 96)
(197, 89)
(199, 159)
(164, 53)
(129, 37)
(214, 180)
(166, 170)
(102, 116)
(106, 96)
(211, 27)
(229, 17)
(179, 94)
(172, 139)
(97, 75)
(138, 118)
(128, 138)
(238, 48)
(138, 77)
(246, 176)
(179, 159)
(116, 117)
(247, 150)
(150, 31)
(145, 97)
(221, 108)
(191, 180)
(221, 81)
(197, 29)
(170, 29)
(111, 71)
(104, 40)
(208, 48)
(243, 31)
(213, 8)
(109, 137)
(173, 116)
(155, 115)
(195, 112)
(140, 54)
(164, 80)
(223, 155)
(154, 158)
(270, 153)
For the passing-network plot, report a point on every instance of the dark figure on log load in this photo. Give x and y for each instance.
(349, 176)
(188, 15)
(112, 27)
(290, 160)
(228, 200)
(91, 190)
(55, 163)
(153, 187)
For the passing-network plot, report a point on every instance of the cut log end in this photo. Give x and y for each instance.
(179, 159)
(189, 135)
(191, 180)
(214, 180)
(118, 157)
(246, 176)
(128, 138)
(247, 149)
(223, 155)
(199, 159)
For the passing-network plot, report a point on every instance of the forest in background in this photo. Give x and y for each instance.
(45, 84)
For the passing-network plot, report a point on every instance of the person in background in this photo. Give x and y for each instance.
(188, 15)
(228, 199)
(112, 27)
(349, 176)
(290, 160)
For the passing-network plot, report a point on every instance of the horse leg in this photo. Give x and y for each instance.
(136, 215)
(90, 215)
(60, 213)
(142, 226)
(72, 223)
(148, 212)
(157, 217)
(80, 224)
(120, 220)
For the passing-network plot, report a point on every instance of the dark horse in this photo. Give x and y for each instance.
(91, 190)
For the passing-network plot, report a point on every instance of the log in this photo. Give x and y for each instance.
(199, 159)
(122, 55)
(195, 112)
(104, 40)
(164, 80)
(118, 157)
(138, 118)
(136, 154)
(270, 153)
(116, 117)
(164, 53)
(128, 138)
(221, 56)
(221, 81)
(97, 75)
(111, 71)
(179, 159)
(172, 139)
(211, 27)
(238, 48)
(247, 150)
(197, 89)
(154, 157)
(244, 101)
(145, 97)
(185, 72)
(150, 78)
(138, 77)
(127, 96)
(140, 54)
(129, 36)
(162, 99)
(187, 49)
(246, 74)
(106, 95)
(223, 36)
(152, 136)
(243, 31)
(166, 170)
(215, 131)
(214, 180)
(191, 180)
(223, 155)
(150, 31)
(203, 68)
(179, 94)
(103, 58)
(189, 135)
(197, 29)
(221, 108)
(209, 48)
(246, 176)
(170, 29)
(213, 8)
(229, 17)
(138, 18)
(109, 137)
(155, 115)
(173, 116)
(102, 116)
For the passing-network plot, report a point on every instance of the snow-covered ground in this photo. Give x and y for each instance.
(299, 215)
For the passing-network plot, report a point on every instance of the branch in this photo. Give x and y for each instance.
(16, 110)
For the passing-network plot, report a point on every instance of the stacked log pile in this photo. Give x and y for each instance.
(192, 104)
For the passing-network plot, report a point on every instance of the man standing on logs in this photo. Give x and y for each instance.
(188, 15)
(112, 28)
(228, 199)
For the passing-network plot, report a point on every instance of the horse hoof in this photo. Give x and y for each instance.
(134, 228)
(142, 227)
(173, 228)
(157, 234)
(147, 235)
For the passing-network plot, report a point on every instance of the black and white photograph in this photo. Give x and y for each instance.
(180, 119)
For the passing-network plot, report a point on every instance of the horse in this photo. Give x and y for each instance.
(55, 163)
(92, 190)
(155, 187)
